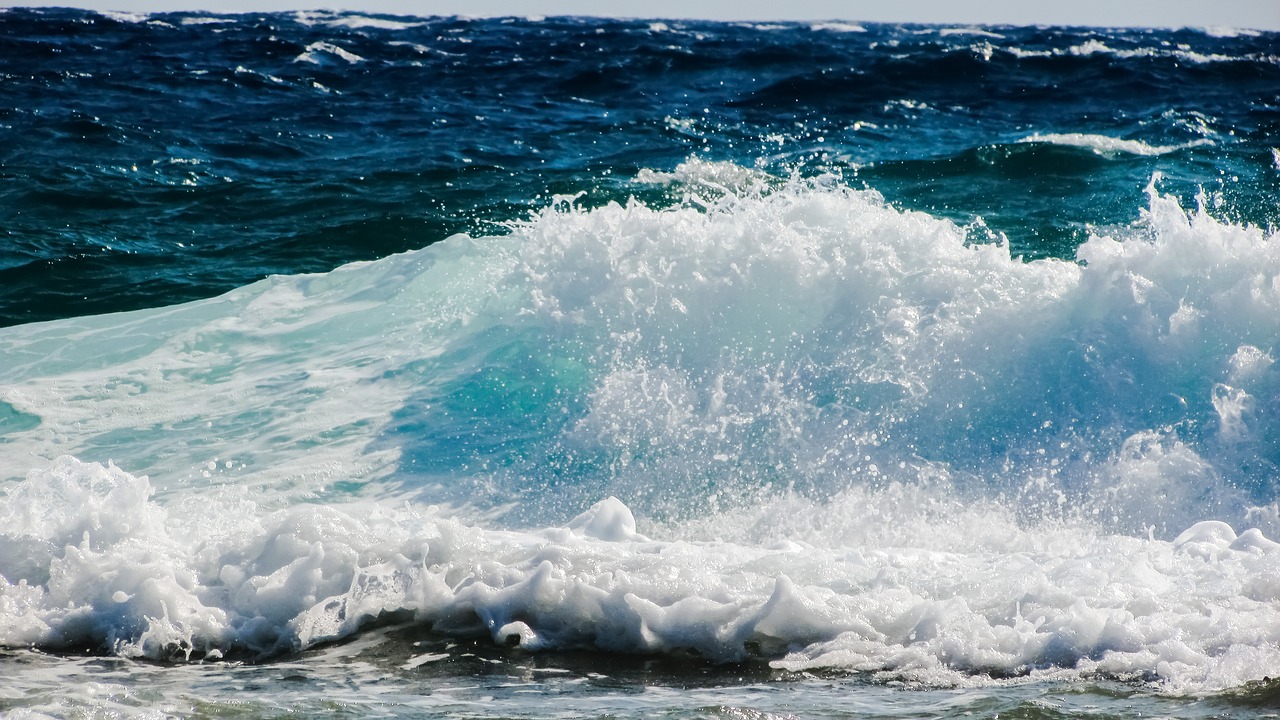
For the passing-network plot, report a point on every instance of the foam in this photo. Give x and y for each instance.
(1108, 146)
(1098, 47)
(1225, 31)
(116, 569)
(968, 31)
(722, 176)
(837, 27)
(210, 20)
(311, 56)
(358, 22)
(131, 18)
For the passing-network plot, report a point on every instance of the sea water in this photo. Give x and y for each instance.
(371, 365)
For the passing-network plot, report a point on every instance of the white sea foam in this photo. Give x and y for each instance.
(724, 176)
(968, 31)
(201, 20)
(1106, 145)
(125, 17)
(1223, 31)
(417, 47)
(1098, 47)
(838, 27)
(357, 22)
(903, 583)
(792, 422)
(311, 56)
(314, 17)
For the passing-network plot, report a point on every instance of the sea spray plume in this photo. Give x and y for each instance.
(798, 335)
(1190, 315)
(763, 331)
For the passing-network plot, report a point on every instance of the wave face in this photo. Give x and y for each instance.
(853, 439)
(833, 357)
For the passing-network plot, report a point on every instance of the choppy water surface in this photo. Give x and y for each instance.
(533, 367)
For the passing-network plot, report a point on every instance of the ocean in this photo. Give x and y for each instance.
(374, 366)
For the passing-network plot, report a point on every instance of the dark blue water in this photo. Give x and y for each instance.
(150, 160)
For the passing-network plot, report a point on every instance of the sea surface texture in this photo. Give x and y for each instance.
(565, 367)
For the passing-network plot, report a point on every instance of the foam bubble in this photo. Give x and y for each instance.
(608, 519)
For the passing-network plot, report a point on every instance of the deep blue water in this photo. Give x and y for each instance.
(562, 367)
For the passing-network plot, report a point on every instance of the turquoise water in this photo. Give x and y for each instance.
(636, 368)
